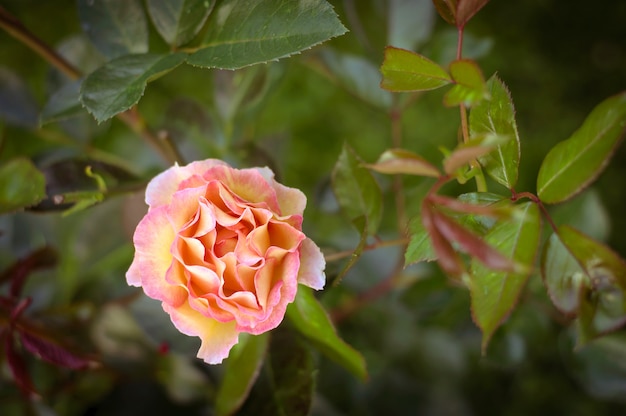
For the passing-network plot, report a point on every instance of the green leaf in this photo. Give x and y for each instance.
(469, 85)
(178, 21)
(247, 32)
(400, 161)
(563, 276)
(119, 84)
(64, 103)
(497, 116)
(357, 75)
(310, 318)
(404, 70)
(574, 163)
(242, 369)
(356, 189)
(116, 27)
(419, 248)
(603, 299)
(494, 293)
(21, 185)
(286, 384)
(411, 23)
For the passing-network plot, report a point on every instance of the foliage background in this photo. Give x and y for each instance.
(420, 344)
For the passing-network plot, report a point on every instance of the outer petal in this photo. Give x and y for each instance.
(247, 184)
(217, 337)
(312, 265)
(162, 187)
(153, 237)
(291, 200)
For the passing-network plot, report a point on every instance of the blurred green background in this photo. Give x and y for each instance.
(559, 59)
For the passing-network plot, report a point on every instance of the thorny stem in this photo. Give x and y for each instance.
(132, 118)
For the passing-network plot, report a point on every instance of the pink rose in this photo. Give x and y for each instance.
(223, 250)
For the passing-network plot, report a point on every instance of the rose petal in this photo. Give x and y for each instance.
(162, 187)
(153, 238)
(247, 184)
(217, 337)
(312, 265)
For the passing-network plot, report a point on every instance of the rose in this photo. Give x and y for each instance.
(223, 250)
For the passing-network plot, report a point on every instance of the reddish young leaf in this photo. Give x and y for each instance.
(17, 365)
(466, 9)
(471, 243)
(447, 258)
(447, 10)
(52, 352)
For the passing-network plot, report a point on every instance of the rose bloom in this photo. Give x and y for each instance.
(223, 250)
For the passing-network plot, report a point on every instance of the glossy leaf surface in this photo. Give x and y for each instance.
(408, 71)
(356, 190)
(576, 162)
(247, 32)
(310, 318)
(116, 27)
(178, 21)
(496, 115)
(495, 293)
(119, 84)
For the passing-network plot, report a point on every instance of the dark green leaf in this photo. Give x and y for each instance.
(247, 32)
(495, 293)
(496, 115)
(64, 103)
(242, 369)
(286, 384)
(310, 318)
(21, 185)
(358, 75)
(469, 85)
(420, 247)
(116, 27)
(400, 161)
(178, 21)
(119, 84)
(574, 163)
(356, 189)
(404, 70)
(411, 23)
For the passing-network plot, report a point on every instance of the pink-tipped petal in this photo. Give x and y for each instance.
(153, 238)
(291, 200)
(312, 265)
(217, 337)
(162, 187)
